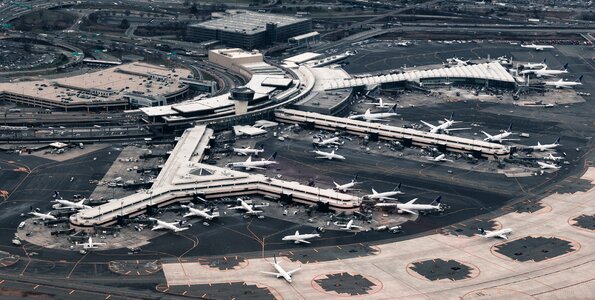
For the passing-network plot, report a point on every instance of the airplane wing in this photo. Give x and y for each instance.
(389, 198)
(412, 201)
(322, 157)
(502, 236)
(293, 271)
(510, 139)
(181, 229)
(385, 204)
(489, 136)
(409, 211)
(236, 207)
(428, 124)
(303, 241)
(356, 226)
(271, 273)
(339, 224)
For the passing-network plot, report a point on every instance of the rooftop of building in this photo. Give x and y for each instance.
(248, 22)
(133, 78)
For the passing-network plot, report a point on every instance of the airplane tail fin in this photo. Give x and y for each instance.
(544, 59)
(509, 128)
(354, 178)
(273, 156)
(274, 258)
(261, 146)
(557, 142)
(437, 200)
(565, 67)
(483, 232)
(580, 78)
(452, 114)
(393, 109)
(398, 187)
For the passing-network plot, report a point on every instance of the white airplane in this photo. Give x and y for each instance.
(537, 47)
(411, 207)
(500, 137)
(545, 72)
(561, 84)
(544, 147)
(348, 226)
(347, 186)
(300, 238)
(532, 66)
(250, 209)
(370, 117)
(382, 104)
(439, 158)
(502, 233)
(385, 195)
(43, 217)
(457, 61)
(166, 225)
(257, 164)
(328, 155)
(248, 151)
(543, 165)
(203, 213)
(553, 158)
(281, 272)
(65, 204)
(444, 127)
(327, 142)
(90, 244)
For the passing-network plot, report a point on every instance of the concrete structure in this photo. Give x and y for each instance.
(407, 136)
(389, 267)
(492, 74)
(134, 84)
(247, 29)
(183, 176)
(305, 40)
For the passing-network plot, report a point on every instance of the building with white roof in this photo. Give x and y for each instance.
(491, 73)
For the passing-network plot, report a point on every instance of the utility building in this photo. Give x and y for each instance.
(247, 29)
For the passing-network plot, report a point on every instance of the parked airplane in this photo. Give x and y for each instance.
(43, 217)
(328, 155)
(382, 104)
(257, 164)
(173, 226)
(300, 238)
(537, 47)
(249, 208)
(502, 233)
(280, 271)
(561, 84)
(370, 117)
(348, 226)
(439, 158)
(248, 151)
(332, 141)
(545, 72)
(544, 147)
(90, 244)
(444, 127)
(501, 136)
(347, 186)
(533, 66)
(65, 204)
(204, 213)
(411, 207)
(553, 158)
(385, 195)
(547, 166)
(457, 62)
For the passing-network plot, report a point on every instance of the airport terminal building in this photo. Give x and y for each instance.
(247, 29)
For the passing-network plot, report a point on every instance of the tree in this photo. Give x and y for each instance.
(125, 24)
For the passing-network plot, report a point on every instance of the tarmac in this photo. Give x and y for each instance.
(391, 270)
